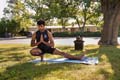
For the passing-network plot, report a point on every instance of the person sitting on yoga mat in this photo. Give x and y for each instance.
(44, 41)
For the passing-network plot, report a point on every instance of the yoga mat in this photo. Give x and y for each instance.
(86, 60)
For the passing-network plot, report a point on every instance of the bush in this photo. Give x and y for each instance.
(61, 34)
(92, 34)
(8, 26)
(85, 34)
(2, 34)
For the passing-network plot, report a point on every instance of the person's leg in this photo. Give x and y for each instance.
(66, 55)
(37, 52)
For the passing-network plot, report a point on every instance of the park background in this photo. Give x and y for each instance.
(98, 21)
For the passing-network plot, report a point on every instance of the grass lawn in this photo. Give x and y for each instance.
(14, 65)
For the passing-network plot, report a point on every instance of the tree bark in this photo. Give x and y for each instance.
(83, 26)
(85, 19)
(111, 12)
(63, 23)
(77, 22)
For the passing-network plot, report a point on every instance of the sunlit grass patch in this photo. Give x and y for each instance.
(14, 64)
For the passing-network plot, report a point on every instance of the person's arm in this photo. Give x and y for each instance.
(33, 40)
(51, 40)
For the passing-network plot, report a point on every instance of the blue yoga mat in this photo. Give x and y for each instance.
(86, 60)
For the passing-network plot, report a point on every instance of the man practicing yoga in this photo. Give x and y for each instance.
(43, 39)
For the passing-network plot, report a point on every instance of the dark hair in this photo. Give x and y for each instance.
(39, 22)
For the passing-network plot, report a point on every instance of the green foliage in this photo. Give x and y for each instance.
(2, 26)
(96, 17)
(61, 34)
(17, 11)
(90, 12)
(8, 26)
(28, 11)
(40, 8)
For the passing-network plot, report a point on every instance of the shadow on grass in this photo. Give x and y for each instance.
(4, 50)
(29, 71)
(113, 55)
(14, 53)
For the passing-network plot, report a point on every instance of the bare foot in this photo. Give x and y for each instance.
(42, 58)
(83, 54)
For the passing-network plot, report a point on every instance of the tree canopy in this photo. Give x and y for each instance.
(62, 10)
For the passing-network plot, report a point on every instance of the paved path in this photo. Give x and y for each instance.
(58, 41)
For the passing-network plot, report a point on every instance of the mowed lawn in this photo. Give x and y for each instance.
(14, 64)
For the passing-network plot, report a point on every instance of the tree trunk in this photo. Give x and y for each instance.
(63, 23)
(77, 22)
(85, 19)
(83, 27)
(111, 12)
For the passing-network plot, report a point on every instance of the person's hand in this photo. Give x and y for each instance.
(38, 43)
(41, 38)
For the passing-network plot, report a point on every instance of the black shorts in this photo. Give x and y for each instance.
(46, 49)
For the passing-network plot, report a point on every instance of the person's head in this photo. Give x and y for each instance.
(41, 24)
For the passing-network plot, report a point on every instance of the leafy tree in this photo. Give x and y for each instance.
(8, 26)
(39, 8)
(17, 11)
(90, 10)
(2, 26)
(97, 16)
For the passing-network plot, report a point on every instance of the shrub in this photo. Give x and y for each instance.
(85, 34)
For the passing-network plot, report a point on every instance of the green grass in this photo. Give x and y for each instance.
(14, 65)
